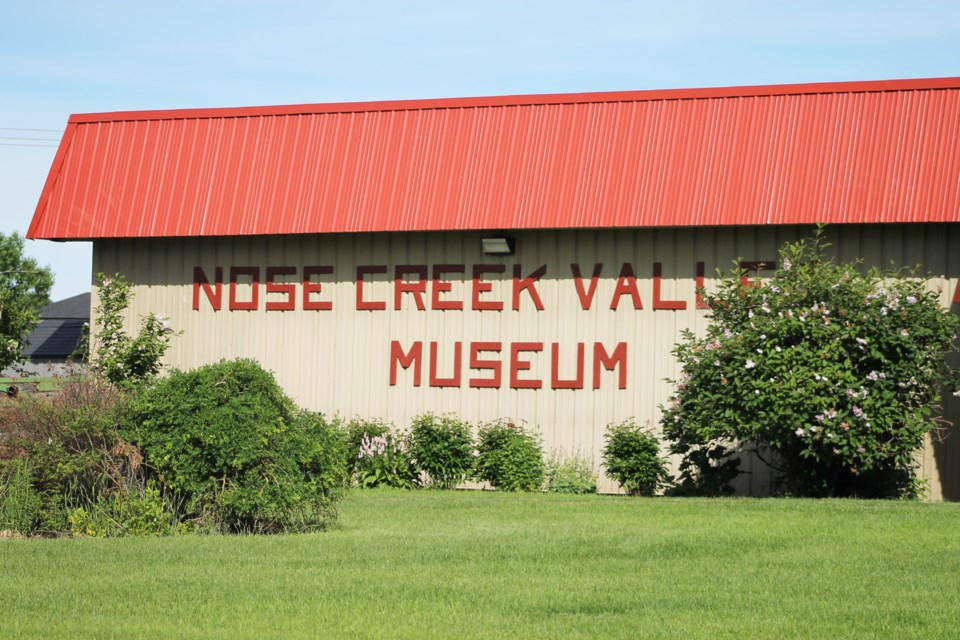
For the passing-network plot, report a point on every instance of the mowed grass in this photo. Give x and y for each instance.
(430, 564)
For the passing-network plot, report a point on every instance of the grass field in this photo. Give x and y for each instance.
(431, 564)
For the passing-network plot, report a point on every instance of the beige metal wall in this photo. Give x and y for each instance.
(338, 361)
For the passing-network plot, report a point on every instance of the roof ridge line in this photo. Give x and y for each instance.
(747, 91)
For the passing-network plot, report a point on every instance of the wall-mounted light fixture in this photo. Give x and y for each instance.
(499, 245)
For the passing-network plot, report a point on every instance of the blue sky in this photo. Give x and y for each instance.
(58, 58)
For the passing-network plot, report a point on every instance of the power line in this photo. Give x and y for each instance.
(23, 129)
(15, 144)
(32, 139)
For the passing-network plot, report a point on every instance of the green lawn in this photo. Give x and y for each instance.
(430, 564)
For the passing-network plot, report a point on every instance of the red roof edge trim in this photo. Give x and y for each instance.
(40, 211)
(869, 86)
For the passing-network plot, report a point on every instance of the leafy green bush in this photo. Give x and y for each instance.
(828, 373)
(237, 449)
(126, 515)
(442, 449)
(632, 458)
(574, 474)
(509, 457)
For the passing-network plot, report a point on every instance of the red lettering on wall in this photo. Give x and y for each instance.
(412, 357)
(626, 283)
(517, 365)
(527, 284)
(444, 286)
(287, 288)
(491, 365)
(481, 286)
(452, 381)
(753, 269)
(556, 382)
(418, 288)
(657, 302)
(369, 305)
(586, 295)
(701, 303)
(214, 294)
(610, 362)
(309, 304)
(254, 302)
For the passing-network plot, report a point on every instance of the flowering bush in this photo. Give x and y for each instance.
(632, 458)
(829, 374)
(380, 456)
(123, 360)
(509, 457)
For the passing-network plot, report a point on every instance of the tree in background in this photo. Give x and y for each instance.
(830, 374)
(24, 292)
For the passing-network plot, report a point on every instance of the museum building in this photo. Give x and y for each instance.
(530, 257)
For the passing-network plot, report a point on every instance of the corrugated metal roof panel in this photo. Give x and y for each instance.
(835, 153)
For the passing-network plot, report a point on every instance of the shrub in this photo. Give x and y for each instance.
(828, 373)
(121, 514)
(379, 456)
(509, 457)
(575, 474)
(123, 360)
(442, 449)
(69, 444)
(237, 449)
(632, 458)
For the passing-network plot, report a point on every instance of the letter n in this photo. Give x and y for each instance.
(214, 294)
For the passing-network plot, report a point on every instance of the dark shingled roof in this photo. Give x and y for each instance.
(76, 307)
(60, 329)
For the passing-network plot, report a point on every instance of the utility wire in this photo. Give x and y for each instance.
(14, 144)
(23, 129)
(34, 139)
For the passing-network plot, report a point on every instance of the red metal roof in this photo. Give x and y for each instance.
(835, 153)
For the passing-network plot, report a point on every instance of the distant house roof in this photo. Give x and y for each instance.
(74, 307)
(60, 330)
(838, 152)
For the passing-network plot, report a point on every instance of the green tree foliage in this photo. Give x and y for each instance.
(830, 374)
(24, 292)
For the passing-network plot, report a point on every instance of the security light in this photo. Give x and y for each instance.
(499, 245)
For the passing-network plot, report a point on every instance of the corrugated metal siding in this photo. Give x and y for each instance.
(863, 152)
(338, 361)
